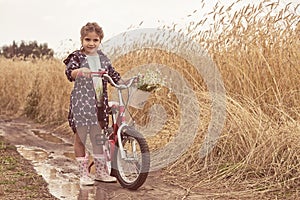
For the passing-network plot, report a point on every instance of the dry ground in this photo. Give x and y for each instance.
(18, 179)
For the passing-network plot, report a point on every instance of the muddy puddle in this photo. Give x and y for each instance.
(59, 168)
(62, 181)
(52, 157)
(61, 175)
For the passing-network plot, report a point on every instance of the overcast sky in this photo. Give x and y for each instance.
(53, 21)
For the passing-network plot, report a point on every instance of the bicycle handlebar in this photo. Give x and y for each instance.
(119, 86)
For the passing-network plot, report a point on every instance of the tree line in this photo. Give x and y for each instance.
(27, 50)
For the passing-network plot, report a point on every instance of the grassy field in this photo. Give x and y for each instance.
(18, 178)
(258, 154)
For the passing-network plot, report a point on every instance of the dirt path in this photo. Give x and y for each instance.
(52, 157)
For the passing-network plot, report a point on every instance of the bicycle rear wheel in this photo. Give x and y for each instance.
(132, 171)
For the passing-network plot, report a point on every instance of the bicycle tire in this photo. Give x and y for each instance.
(130, 134)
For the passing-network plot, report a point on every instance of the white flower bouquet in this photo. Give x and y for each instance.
(151, 80)
(148, 83)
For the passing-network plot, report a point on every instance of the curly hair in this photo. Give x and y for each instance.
(91, 27)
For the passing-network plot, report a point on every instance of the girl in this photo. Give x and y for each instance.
(89, 101)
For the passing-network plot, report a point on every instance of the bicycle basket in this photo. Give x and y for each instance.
(137, 98)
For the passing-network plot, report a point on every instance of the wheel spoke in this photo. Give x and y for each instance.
(132, 170)
(130, 166)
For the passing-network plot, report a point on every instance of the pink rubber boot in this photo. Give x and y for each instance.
(83, 171)
(102, 170)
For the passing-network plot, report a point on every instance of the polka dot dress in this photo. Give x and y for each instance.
(84, 102)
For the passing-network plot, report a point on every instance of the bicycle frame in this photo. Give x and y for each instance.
(118, 118)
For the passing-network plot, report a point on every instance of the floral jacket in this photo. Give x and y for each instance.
(83, 108)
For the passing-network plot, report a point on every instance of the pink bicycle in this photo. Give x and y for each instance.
(127, 149)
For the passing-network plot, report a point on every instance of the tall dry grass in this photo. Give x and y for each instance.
(36, 88)
(258, 55)
(257, 52)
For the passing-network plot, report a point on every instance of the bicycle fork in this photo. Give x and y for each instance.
(118, 118)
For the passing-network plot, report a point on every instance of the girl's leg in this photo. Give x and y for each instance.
(100, 158)
(80, 153)
(79, 147)
(97, 139)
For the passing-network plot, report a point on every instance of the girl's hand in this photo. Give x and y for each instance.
(81, 72)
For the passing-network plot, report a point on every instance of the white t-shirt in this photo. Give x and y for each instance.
(95, 66)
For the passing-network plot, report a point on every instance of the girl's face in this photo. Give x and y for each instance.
(90, 43)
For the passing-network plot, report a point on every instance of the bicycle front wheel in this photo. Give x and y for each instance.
(132, 170)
